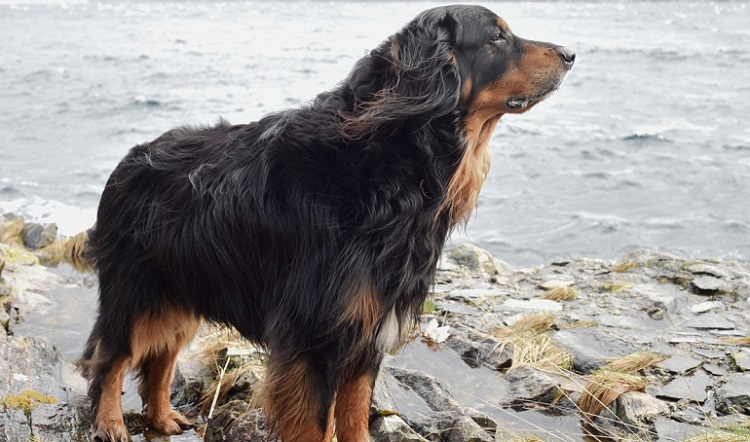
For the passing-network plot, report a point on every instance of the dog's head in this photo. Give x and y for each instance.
(454, 59)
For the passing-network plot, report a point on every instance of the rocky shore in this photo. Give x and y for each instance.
(651, 347)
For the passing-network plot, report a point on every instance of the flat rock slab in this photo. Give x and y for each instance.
(692, 388)
(710, 354)
(703, 307)
(710, 321)
(679, 364)
(591, 347)
(707, 284)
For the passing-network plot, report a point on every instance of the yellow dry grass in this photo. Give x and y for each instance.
(560, 294)
(739, 341)
(624, 266)
(604, 387)
(633, 363)
(531, 346)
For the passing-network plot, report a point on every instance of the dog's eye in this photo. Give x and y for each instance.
(498, 37)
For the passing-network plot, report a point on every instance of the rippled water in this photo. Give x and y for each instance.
(647, 144)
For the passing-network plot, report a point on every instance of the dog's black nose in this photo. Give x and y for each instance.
(567, 56)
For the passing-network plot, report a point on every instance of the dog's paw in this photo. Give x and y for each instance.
(109, 431)
(170, 424)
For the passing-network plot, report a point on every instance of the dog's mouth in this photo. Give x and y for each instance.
(524, 102)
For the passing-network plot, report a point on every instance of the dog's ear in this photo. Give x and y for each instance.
(411, 76)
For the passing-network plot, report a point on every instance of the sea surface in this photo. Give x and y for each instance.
(647, 144)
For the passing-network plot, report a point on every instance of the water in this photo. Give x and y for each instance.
(646, 145)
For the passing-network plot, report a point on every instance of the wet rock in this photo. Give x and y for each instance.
(237, 421)
(734, 395)
(476, 348)
(590, 347)
(392, 428)
(741, 359)
(679, 364)
(35, 236)
(464, 429)
(692, 388)
(529, 386)
(191, 380)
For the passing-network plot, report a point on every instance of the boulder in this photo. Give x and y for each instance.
(35, 236)
(734, 395)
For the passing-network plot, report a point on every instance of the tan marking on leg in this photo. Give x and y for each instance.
(289, 405)
(153, 335)
(158, 352)
(109, 424)
(353, 410)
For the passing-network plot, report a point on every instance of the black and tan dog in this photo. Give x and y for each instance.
(314, 231)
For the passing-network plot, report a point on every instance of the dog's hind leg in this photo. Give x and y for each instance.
(156, 342)
(353, 409)
(104, 365)
(298, 399)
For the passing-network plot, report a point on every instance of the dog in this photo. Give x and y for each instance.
(315, 232)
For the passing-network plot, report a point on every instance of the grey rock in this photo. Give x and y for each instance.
(691, 415)
(34, 364)
(707, 284)
(679, 364)
(35, 236)
(667, 429)
(710, 321)
(238, 422)
(531, 386)
(710, 354)
(734, 395)
(703, 307)
(590, 347)
(629, 417)
(716, 370)
(707, 269)
(4, 321)
(464, 429)
(741, 359)
(692, 388)
(392, 428)
(478, 261)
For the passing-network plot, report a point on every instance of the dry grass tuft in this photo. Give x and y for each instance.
(634, 362)
(720, 436)
(532, 347)
(739, 341)
(583, 323)
(604, 387)
(560, 294)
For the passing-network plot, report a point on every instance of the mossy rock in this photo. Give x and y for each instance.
(27, 400)
(18, 255)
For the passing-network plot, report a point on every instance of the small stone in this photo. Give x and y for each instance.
(710, 321)
(529, 386)
(515, 305)
(706, 306)
(742, 359)
(464, 429)
(692, 388)
(679, 364)
(707, 284)
(734, 395)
